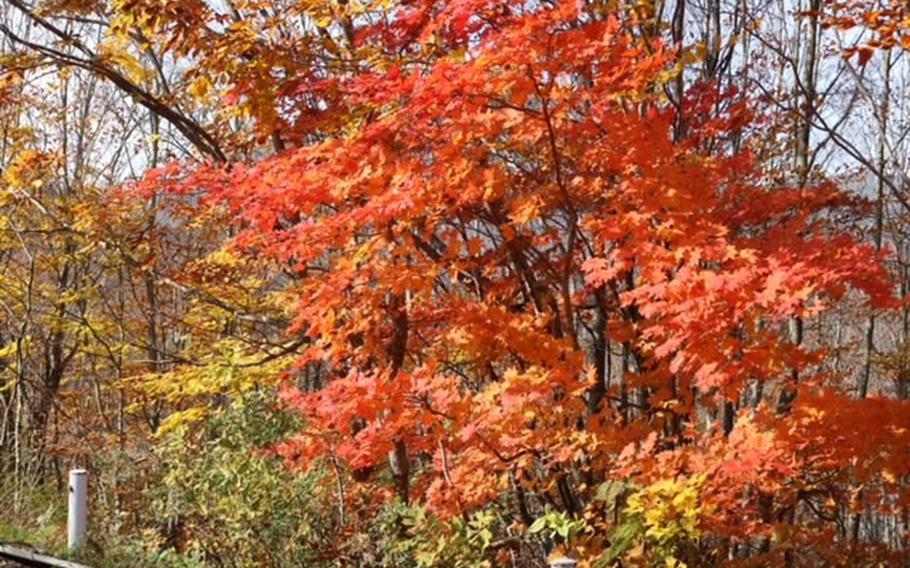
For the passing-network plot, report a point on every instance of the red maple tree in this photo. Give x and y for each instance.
(492, 209)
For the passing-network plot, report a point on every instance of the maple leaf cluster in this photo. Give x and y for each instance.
(886, 23)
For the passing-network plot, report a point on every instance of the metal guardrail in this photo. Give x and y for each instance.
(31, 557)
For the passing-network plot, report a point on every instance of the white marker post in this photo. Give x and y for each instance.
(563, 562)
(76, 521)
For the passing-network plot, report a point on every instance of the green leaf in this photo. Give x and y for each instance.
(539, 524)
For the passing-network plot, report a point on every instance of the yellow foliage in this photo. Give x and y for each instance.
(181, 418)
(115, 49)
(660, 518)
(231, 370)
(25, 170)
(670, 508)
(200, 87)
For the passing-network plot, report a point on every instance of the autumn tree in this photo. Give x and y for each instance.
(604, 277)
(497, 197)
(102, 295)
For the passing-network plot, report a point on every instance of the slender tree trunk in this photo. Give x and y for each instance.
(807, 87)
(869, 338)
(869, 335)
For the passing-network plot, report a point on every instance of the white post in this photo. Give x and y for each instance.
(563, 562)
(78, 507)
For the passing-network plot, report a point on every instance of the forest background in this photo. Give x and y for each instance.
(457, 283)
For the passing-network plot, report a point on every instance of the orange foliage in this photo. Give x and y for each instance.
(495, 190)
